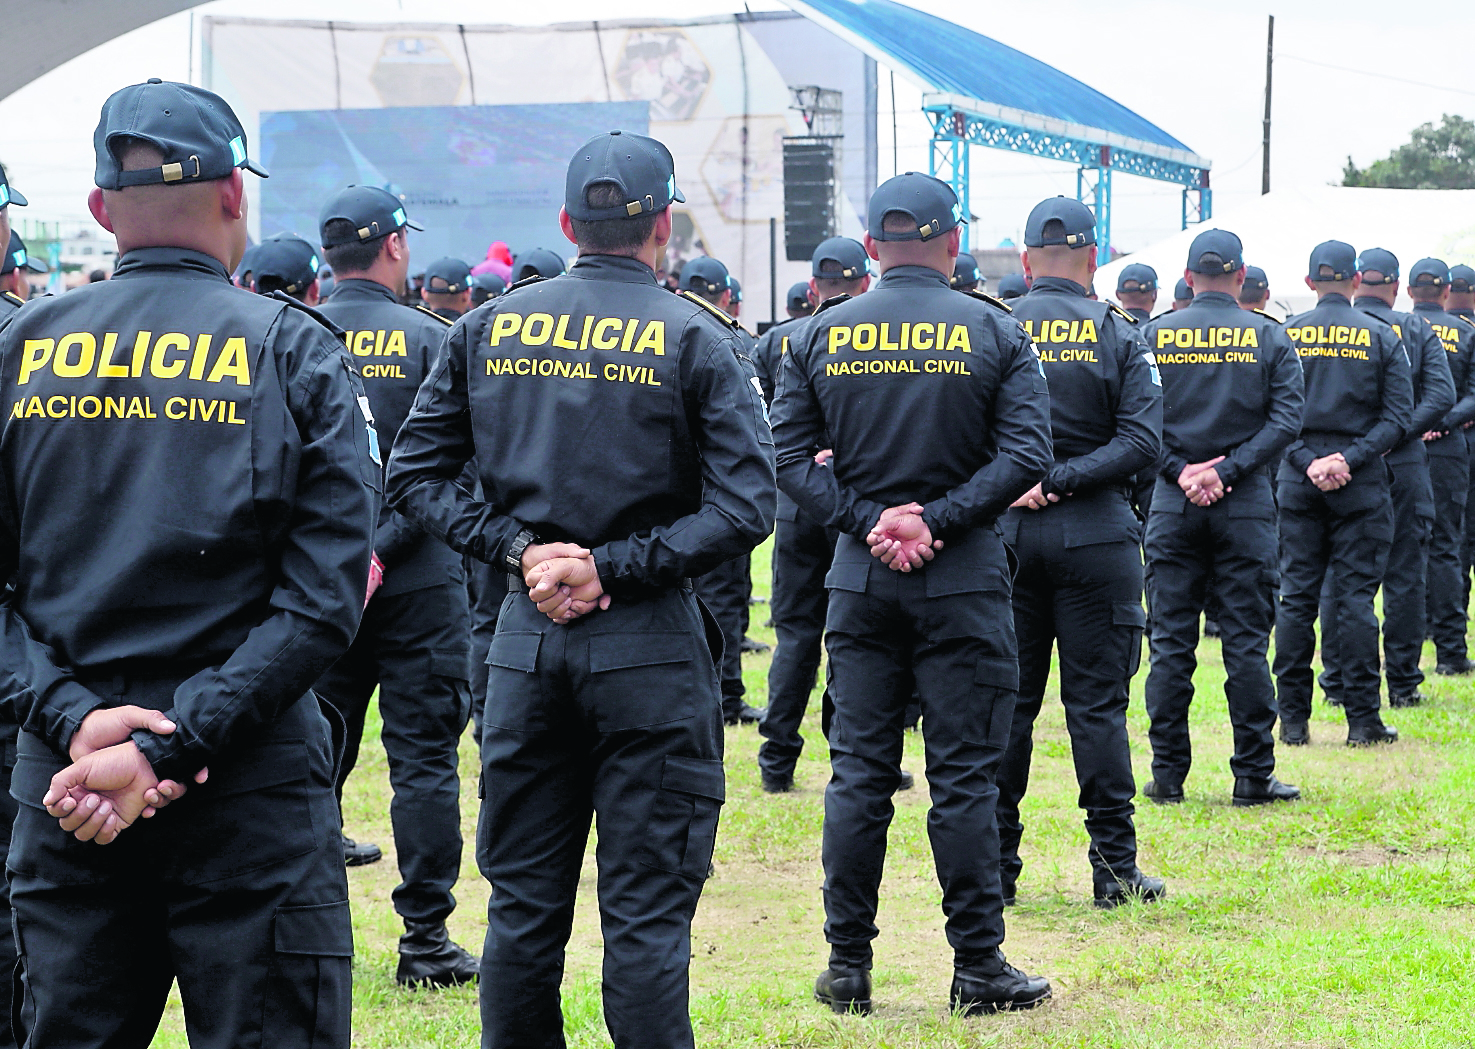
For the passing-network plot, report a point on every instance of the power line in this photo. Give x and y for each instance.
(1380, 76)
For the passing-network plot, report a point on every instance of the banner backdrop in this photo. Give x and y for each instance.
(715, 90)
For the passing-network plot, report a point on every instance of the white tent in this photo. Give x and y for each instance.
(1280, 229)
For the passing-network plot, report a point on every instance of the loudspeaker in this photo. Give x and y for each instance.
(810, 192)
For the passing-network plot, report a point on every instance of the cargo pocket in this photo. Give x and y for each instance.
(513, 699)
(682, 828)
(1130, 618)
(637, 680)
(309, 990)
(996, 682)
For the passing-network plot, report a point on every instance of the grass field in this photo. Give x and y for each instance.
(1346, 920)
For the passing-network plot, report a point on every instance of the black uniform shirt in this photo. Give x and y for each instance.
(767, 356)
(1106, 401)
(1458, 337)
(189, 488)
(1359, 387)
(1138, 314)
(9, 303)
(925, 394)
(1434, 388)
(1232, 386)
(602, 410)
(395, 347)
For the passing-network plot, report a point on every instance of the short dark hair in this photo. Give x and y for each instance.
(356, 256)
(898, 222)
(1423, 292)
(1250, 295)
(611, 236)
(828, 286)
(268, 283)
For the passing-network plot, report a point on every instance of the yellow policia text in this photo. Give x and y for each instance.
(542, 366)
(592, 333)
(1061, 330)
(922, 335)
(376, 344)
(1204, 339)
(190, 409)
(78, 356)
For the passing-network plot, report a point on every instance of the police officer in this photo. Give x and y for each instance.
(1232, 400)
(447, 288)
(197, 533)
(1404, 581)
(1255, 295)
(1136, 290)
(1078, 586)
(1182, 294)
(965, 274)
(241, 278)
(537, 262)
(802, 546)
(796, 302)
(735, 302)
(414, 642)
(1011, 286)
(725, 589)
(1449, 467)
(15, 286)
(287, 264)
(934, 436)
(486, 286)
(8, 195)
(1461, 304)
(1336, 513)
(613, 474)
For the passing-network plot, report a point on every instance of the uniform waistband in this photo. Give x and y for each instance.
(515, 585)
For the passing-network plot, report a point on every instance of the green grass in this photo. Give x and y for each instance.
(1346, 920)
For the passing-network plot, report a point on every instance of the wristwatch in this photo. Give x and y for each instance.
(520, 542)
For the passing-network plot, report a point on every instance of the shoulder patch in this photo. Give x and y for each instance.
(1268, 316)
(434, 316)
(287, 300)
(716, 311)
(12, 297)
(1123, 314)
(984, 297)
(833, 300)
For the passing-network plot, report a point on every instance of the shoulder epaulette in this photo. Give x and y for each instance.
(434, 315)
(1123, 314)
(1268, 317)
(526, 281)
(296, 304)
(11, 296)
(833, 300)
(716, 311)
(985, 297)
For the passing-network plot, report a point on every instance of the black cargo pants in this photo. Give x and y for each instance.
(947, 632)
(616, 718)
(1086, 600)
(237, 891)
(1347, 533)
(1449, 475)
(413, 647)
(486, 587)
(1231, 547)
(725, 591)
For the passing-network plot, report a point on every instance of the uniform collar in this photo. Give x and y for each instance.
(1216, 299)
(1371, 304)
(1428, 307)
(141, 259)
(612, 267)
(913, 277)
(1333, 298)
(359, 288)
(1058, 284)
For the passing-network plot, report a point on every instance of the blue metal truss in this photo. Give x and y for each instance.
(955, 130)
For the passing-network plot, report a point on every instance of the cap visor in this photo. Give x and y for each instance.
(37, 267)
(412, 224)
(678, 196)
(255, 168)
(17, 197)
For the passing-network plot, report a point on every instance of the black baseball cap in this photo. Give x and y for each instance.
(1012, 286)
(374, 212)
(736, 289)
(1224, 252)
(1078, 225)
(195, 130)
(17, 258)
(8, 193)
(929, 202)
(965, 269)
(1380, 261)
(537, 262)
(289, 259)
(489, 283)
(1337, 256)
(1181, 290)
(1428, 273)
(453, 275)
(1255, 281)
(704, 275)
(798, 297)
(1461, 278)
(642, 167)
(847, 251)
(1136, 276)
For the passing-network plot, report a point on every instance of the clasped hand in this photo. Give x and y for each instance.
(563, 581)
(901, 539)
(110, 785)
(1201, 482)
(1330, 472)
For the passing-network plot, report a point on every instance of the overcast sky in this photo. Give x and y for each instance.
(1351, 79)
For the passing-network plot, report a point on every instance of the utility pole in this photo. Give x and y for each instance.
(1269, 65)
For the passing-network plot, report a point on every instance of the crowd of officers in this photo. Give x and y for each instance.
(229, 519)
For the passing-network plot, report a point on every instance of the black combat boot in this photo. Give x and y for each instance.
(1113, 891)
(844, 990)
(992, 984)
(428, 958)
(360, 853)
